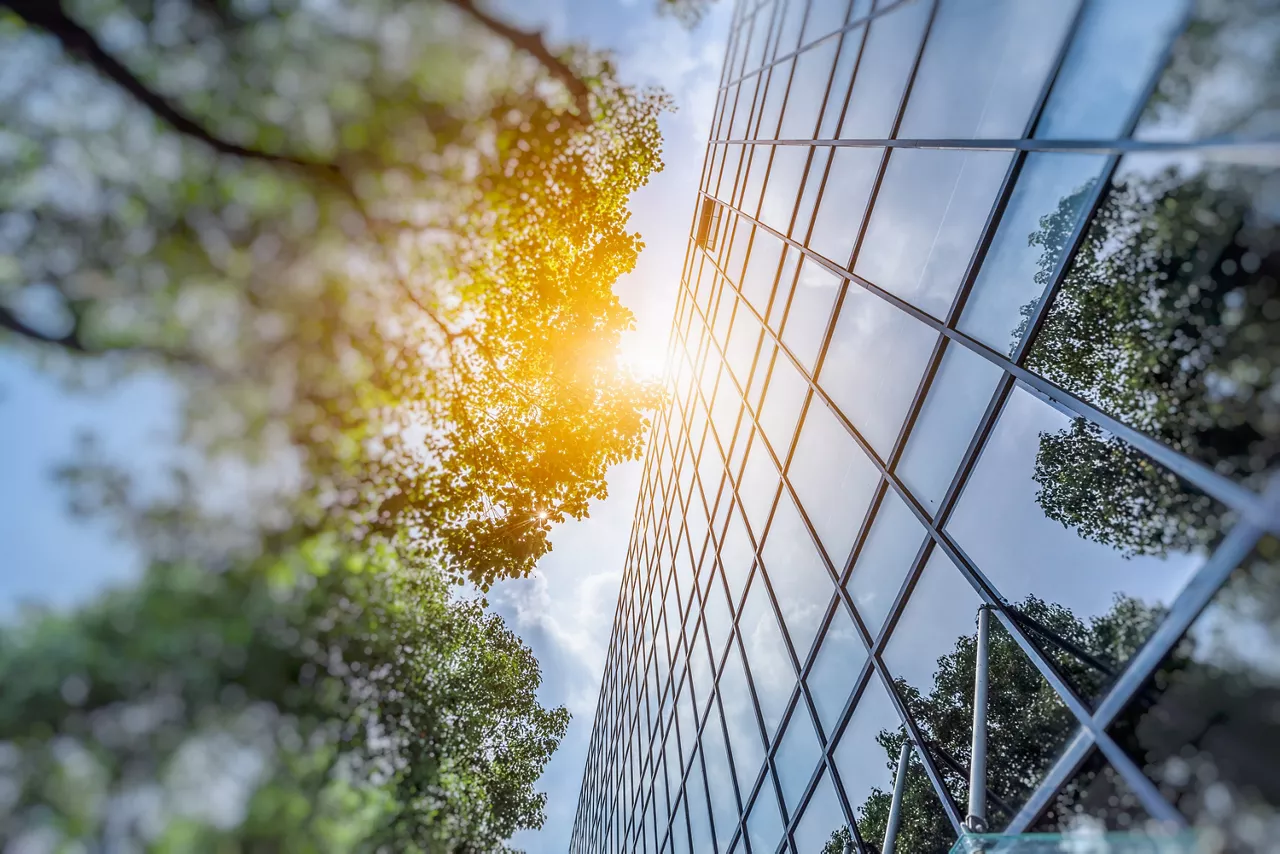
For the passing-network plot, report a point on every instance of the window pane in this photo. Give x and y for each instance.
(772, 674)
(783, 401)
(776, 92)
(834, 480)
(844, 202)
(764, 824)
(983, 68)
(823, 820)
(740, 721)
(724, 805)
(785, 174)
(737, 553)
(886, 557)
(873, 365)
(841, 78)
(867, 759)
(957, 398)
(758, 485)
(887, 57)
(811, 303)
(1167, 318)
(1113, 55)
(1223, 76)
(699, 815)
(926, 222)
(1081, 532)
(800, 579)
(1203, 727)
(825, 16)
(762, 269)
(797, 757)
(808, 88)
(1095, 798)
(1047, 202)
(836, 669)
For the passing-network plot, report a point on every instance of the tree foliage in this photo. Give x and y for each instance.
(317, 701)
(385, 231)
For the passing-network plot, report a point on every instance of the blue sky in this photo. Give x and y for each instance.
(565, 611)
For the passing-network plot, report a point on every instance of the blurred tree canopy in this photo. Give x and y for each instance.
(380, 236)
(373, 244)
(320, 700)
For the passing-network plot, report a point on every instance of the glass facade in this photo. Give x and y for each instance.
(980, 309)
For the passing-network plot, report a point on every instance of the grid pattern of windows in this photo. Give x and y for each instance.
(989, 318)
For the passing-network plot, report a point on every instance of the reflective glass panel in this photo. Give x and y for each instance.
(699, 814)
(718, 617)
(811, 303)
(808, 89)
(958, 396)
(887, 57)
(783, 400)
(844, 202)
(822, 821)
(834, 480)
(799, 577)
(983, 68)
(724, 804)
(775, 94)
(1097, 798)
(1082, 533)
(758, 485)
(873, 365)
(884, 560)
(1114, 53)
(835, 669)
(1223, 76)
(867, 759)
(785, 174)
(825, 16)
(841, 78)
(740, 721)
(1203, 727)
(764, 824)
(771, 670)
(797, 757)
(1047, 202)
(737, 553)
(1167, 316)
(762, 269)
(926, 222)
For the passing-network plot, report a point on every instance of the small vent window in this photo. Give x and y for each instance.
(708, 224)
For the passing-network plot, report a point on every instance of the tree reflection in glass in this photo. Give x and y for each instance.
(1168, 319)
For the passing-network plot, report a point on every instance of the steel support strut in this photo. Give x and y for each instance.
(977, 818)
(895, 808)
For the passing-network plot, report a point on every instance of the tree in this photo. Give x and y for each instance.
(1027, 722)
(1165, 319)
(386, 232)
(320, 700)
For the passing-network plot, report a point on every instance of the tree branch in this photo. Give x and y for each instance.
(532, 44)
(73, 343)
(49, 16)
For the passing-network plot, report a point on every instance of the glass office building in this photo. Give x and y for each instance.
(979, 312)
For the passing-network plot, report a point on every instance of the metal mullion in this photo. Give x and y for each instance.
(1228, 491)
(844, 28)
(1266, 150)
